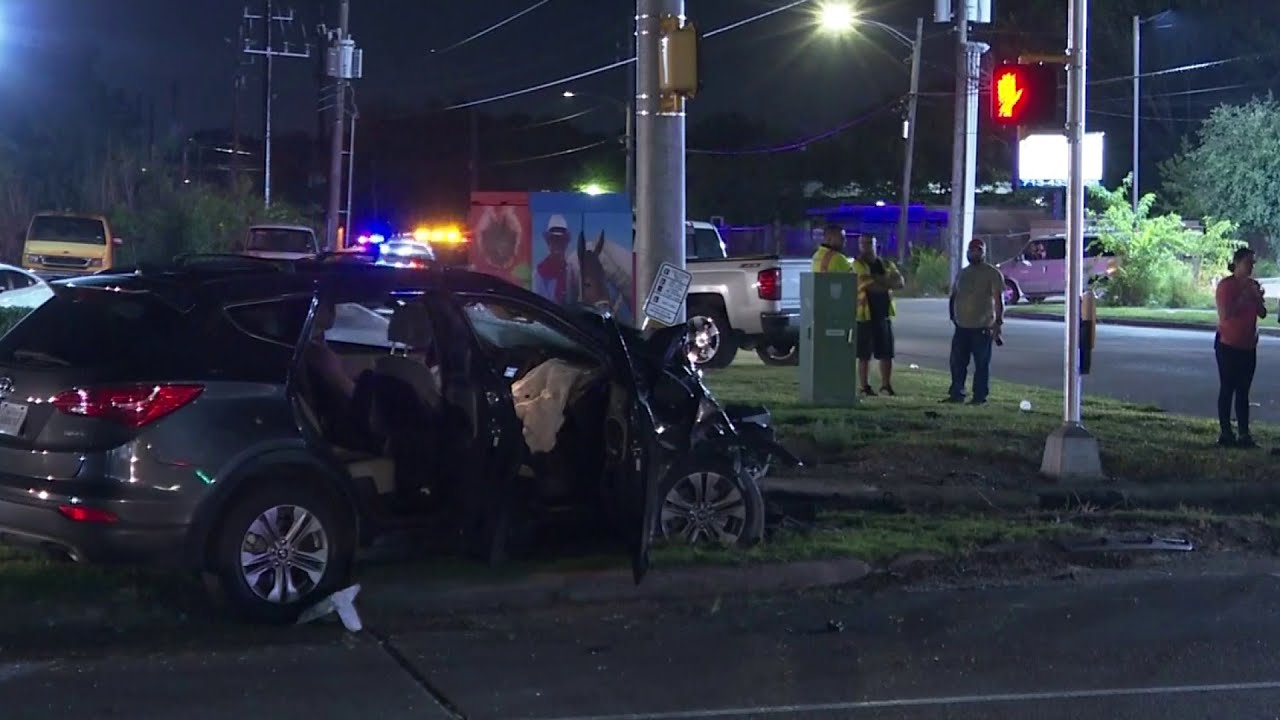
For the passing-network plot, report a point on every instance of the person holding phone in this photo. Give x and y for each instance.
(1241, 302)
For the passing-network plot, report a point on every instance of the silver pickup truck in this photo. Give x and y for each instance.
(750, 302)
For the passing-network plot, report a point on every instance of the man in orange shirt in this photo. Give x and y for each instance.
(1240, 303)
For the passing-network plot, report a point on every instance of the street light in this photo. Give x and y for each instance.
(1138, 22)
(628, 138)
(840, 18)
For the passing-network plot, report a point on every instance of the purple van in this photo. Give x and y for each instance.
(1039, 271)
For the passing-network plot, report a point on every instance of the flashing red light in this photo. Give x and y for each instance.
(133, 406)
(769, 284)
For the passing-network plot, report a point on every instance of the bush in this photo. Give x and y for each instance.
(1160, 259)
(928, 272)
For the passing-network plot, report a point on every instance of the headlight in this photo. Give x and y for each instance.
(95, 262)
(35, 259)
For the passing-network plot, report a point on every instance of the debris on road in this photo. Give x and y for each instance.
(341, 602)
(1128, 543)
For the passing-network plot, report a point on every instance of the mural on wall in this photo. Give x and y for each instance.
(583, 251)
(501, 234)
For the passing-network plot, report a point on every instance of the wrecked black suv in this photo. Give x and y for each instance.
(261, 423)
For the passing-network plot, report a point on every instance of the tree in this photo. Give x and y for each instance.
(1233, 168)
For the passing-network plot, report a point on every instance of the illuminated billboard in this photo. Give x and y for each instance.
(1042, 159)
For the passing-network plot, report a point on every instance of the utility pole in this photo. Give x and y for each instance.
(343, 63)
(269, 52)
(1137, 87)
(964, 161)
(629, 139)
(1071, 452)
(903, 220)
(666, 76)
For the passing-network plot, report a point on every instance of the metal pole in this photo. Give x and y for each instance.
(905, 206)
(955, 222)
(266, 85)
(630, 141)
(474, 156)
(351, 174)
(338, 134)
(973, 60)
(1075, 209)
(1137, 83)
(660, 153)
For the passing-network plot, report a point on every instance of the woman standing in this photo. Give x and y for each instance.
(1240, 304)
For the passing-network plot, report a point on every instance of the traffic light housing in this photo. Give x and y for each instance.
(1025, 94)
(679, 60)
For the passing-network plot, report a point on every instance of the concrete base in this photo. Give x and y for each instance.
(1071, 453)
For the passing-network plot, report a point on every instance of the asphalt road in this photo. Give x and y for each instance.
(1172, 369)
(1167, 645)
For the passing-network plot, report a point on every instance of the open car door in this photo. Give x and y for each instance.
(486, 431)
(638, 479)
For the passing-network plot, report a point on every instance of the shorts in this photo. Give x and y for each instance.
(875, 339)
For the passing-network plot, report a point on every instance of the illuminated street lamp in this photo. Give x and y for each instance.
(594, 189)
(838, 18)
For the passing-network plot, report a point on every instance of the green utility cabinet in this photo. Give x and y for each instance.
(828, 337)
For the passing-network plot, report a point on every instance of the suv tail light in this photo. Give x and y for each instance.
(769, 284)
(130, 405)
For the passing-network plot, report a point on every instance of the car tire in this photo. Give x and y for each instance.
(726, 348)
(1011, 293)
(312, 565)
(772, 355)
(688, 498)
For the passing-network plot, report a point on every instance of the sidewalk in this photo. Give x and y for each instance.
(1130, 322)
(845, 492)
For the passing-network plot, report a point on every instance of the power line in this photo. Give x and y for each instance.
(1183, 68)
(618, 64)
(553, 121)
(803, 143)
(561, 153)
(491, 28)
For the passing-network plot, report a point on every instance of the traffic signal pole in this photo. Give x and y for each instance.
(1070, 452)
(964, 162)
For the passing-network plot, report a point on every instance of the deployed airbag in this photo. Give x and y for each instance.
(541, 397)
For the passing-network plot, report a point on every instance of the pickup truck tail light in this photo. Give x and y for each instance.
(769, 284)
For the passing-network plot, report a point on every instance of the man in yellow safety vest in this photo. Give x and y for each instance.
(830, 257)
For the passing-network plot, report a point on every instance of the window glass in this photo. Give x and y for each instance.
(361, 323)
(68, 229)
(1055, 249)
(279, 321)
(703, 243)
(91, 328)
(504, 325)
(281, 240)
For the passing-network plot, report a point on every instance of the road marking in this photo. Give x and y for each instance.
(931, 701)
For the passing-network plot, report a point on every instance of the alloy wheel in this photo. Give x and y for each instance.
(284, 554)
(704, 339)
(704, 507)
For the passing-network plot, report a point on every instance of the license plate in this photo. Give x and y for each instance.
(12, 417)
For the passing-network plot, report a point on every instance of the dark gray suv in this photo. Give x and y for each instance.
(261, 424)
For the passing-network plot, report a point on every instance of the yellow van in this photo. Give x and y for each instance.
(67, 244)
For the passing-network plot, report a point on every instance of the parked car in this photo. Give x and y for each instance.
(750, 302)
(60, 245)
(1039, 271)
(183, 416)
(22, 288)
(281, 242)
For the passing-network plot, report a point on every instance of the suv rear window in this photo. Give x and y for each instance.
(100, 329)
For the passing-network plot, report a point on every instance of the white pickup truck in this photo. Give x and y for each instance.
(281, 242)
(750, 302)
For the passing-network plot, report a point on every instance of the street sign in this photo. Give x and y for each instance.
(666, 298)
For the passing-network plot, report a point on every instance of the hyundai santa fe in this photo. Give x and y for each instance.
(261, 425)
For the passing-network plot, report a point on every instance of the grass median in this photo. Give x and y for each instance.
(1195, 318)
(914, 438)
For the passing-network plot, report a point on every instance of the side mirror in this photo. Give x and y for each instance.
(117, 241)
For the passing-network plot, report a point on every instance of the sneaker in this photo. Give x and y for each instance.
(887, 390)
(1246, 441)
(1226, 440)
(952, 400)
(866, 390)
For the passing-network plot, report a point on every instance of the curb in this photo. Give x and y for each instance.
(547, 589)
(1125, 322)
(1251, 497)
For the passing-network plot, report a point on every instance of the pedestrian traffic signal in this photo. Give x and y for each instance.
(1025, 94)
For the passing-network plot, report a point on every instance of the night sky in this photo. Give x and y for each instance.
(777, 69)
